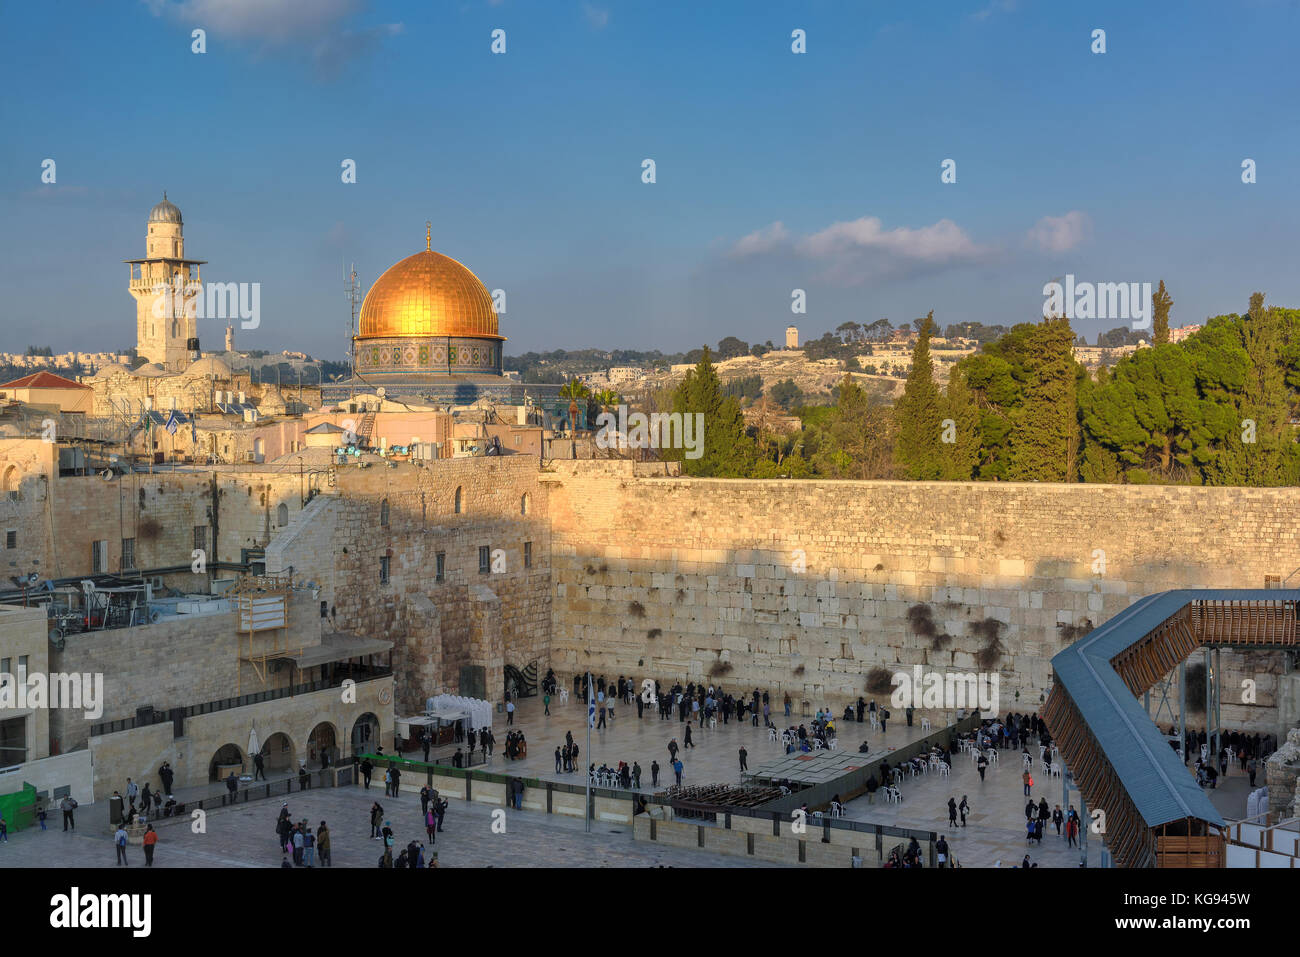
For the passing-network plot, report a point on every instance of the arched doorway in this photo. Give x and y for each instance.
(322, 743)
(279, 753)
(365, 734)
(227, 758)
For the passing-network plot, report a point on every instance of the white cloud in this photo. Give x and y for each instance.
(1059, 234)
(863, 249)
(315, 28)
(269, 21)
(942, 242)
(597, 17)
(763, 240)
(997, 6)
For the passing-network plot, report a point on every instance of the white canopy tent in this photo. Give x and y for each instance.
(477, 712)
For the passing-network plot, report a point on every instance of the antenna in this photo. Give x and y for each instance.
(353, 290)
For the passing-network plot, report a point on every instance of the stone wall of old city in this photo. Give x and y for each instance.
(57, 518)
(437, 627)
(806, 586)
(139, 752)
(182, 660)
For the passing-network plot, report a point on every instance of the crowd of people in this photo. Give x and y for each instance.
(1234, 747)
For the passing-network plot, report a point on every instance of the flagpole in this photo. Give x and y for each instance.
(591, 713)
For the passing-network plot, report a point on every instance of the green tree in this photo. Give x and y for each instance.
(1146, 421)
(960, 456)
(852, 440)
(731, 347)
(917, 451)
(785, 393)
(1046, 435)
(727, 450)
(1160, 304)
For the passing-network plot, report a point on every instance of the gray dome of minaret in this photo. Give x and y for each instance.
(165, 212)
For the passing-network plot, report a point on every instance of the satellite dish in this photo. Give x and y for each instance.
(106, 475)
(381, 392)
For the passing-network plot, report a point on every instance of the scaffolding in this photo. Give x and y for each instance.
(261, 623)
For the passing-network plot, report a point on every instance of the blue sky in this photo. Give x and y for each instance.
(774, 170)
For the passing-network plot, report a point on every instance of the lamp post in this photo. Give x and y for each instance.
(591, 719)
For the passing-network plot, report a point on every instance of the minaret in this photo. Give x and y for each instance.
(230, 338)
(161, 283)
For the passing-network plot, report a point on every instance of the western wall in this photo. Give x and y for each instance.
(806, 586)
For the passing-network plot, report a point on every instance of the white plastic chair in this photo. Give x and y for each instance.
(1056, 769)
(993, 755)
(896, 774)
(925, 724)
(817, 744)
(944, 768)
(771, 734)
(833, 743)
(837, 809)
(784, 790)
(564, 696)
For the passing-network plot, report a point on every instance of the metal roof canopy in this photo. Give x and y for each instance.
(337, 647)
(1151, 772)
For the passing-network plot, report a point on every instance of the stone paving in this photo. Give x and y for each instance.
(245, 837)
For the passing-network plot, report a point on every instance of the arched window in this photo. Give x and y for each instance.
(383, 513)
(459, 502)
(282, 515)
(523, 504)
(175, 329)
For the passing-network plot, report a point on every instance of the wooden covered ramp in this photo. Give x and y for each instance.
(1155, 813)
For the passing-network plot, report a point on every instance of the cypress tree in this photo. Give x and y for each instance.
(727, 449)
(1160, 304)
(919, 450)
(1045, 437)
(961, 456)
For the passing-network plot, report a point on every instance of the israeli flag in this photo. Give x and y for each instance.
(591, 709)
(173, 423)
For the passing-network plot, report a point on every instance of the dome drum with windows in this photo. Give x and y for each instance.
(428, 314)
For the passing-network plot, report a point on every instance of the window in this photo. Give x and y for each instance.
(440, 574)
(98, 557)
(11, 539)
(282, 515)
(383, 513)
(324, 609)
(128, 553)
(383, 570)
(458, 500)
(484, 559)
(523, 504)
(201, 537)
(528, 554)
(22, 666)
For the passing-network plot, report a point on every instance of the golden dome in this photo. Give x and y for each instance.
(428, 294)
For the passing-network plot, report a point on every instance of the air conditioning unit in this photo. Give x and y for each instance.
(250, 456)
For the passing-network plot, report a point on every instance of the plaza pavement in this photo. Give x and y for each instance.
(244, 836)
